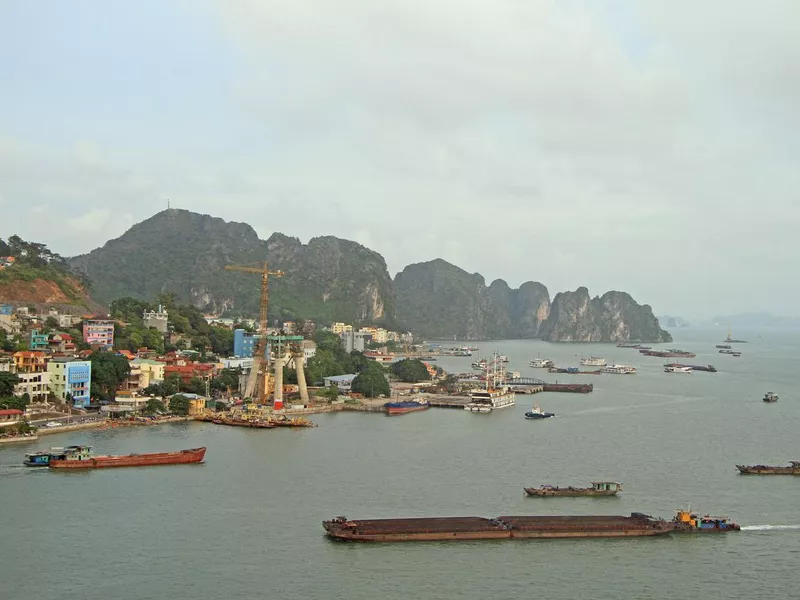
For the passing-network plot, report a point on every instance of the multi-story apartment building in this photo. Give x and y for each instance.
(71, 376)
(35, 384)
(99, 332)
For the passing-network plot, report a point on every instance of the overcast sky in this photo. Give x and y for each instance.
(649, 146)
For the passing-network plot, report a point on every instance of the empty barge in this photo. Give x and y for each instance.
(519, 527)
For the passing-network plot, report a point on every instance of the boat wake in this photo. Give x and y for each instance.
(770, 527)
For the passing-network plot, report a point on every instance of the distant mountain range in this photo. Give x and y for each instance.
(757, 319)
(331, 279)
(669, 322)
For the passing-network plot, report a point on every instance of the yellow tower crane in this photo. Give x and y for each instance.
(257, 386)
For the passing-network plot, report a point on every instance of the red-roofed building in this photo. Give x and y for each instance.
(27, 361)
(9, 416)
(187, 371)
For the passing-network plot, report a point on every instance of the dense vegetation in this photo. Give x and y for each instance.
(184, 319)
(371, 381)
(185, 253)
(109, 372)
(410, 370)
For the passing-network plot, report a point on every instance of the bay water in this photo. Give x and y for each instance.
(247, 523)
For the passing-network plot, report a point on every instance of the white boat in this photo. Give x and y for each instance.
(503, 358)
(619, 369)
(496, 394)
(513, 375)
(479, 364)
(677, 369)
(593, 361)
(542, 363)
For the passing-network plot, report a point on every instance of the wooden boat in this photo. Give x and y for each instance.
(792, 469)
(770, 397)
(599, 488)
(81, 457)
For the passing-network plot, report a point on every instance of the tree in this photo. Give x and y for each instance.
(220, 406)
(51, 323)
(109, 372)
(331, 392)
(154, 406)
(7, 383)
(410, 370)
(195, 386)
(17, 402)
(371, 382)
(179, 404)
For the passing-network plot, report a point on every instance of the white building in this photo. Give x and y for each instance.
(343, 382)
(36, 385)
(157, 319)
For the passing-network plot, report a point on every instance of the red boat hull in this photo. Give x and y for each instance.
(406, 409)
(182, 457)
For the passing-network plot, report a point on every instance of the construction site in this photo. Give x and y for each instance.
(263, 393)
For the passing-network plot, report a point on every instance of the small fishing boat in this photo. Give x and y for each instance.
(770, 397)
(537, 413)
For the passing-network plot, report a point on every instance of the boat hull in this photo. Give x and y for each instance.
(567, 493)
(401, 408)
(510, 527)
(538, 416)
(766, 470)
(192, 456)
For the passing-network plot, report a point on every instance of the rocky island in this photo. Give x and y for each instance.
(331, 279)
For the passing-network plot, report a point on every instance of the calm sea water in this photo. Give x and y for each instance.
(247, 523)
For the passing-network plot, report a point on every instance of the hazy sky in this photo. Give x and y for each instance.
(644, 145)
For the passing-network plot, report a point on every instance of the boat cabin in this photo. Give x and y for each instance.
(705, 522)
(607, 486)
(77, 453)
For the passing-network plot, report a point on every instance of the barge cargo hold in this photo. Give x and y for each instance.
(519, 527)
(81, 457)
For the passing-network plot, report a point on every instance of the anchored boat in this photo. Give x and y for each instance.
(598, 488)
(401, 408)
(593, 361)
(792, 469)
(770, 397)
(541, 363)
(496, 394)
(82, 457)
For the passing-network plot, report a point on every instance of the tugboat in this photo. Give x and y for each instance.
(537, 413)
(42, 459)
(770, 397)
(599, 488)
(687, 522)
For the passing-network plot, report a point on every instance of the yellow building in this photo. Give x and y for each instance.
(150, 371)
(340, 328)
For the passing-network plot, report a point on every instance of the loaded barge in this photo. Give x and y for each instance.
(520, 527)
(599, 488)
(82, 457)
(792, 469)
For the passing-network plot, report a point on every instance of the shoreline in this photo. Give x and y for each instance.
(109, 424)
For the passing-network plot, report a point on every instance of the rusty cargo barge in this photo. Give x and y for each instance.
(430, 529)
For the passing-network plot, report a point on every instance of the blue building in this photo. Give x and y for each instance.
(73, 377)
(244, 342)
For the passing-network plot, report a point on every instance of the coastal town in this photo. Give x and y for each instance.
(55, 368)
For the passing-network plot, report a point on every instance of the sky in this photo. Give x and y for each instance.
(649, 146)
